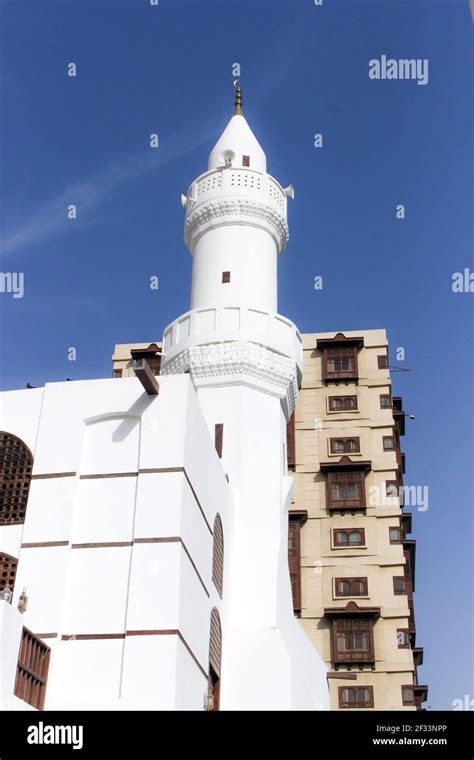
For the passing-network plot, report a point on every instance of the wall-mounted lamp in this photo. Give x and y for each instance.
(23, 601)
(6, 594)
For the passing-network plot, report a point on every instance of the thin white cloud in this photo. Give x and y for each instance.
(88, 193)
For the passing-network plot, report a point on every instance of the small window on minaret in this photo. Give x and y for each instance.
(245, 160)
(225, 276)
(219, 438)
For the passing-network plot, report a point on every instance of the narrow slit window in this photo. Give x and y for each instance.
(219, 438)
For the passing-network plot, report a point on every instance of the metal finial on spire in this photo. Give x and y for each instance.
(238, 98)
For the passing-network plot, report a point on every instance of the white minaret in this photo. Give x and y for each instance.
(246, 363)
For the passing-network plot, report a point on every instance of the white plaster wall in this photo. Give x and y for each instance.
(104, 510)
(50, 510)
(87, 674)
(194, 619)
(43, 572)
(107, 427)
(150, 671)
(191, 682)
(263, 643)
(249, 254)
(20, 413)
(10, 539)
(204, 468)
(111, 445)
(154, 587)
(158, 495)
(69, 406)
(196, 534)
(96, 591)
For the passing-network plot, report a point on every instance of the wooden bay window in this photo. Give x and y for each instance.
(345, 483)
(340, 357)
(346, 490)
(352, 641)
(150, 355)
(414, 695)
(352, 633)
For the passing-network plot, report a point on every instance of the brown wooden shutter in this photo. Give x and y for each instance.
(32, 670)
(245, 160)
(8, 566)
(16, 464)
(294, 561)
(346, 478)
(215, 643)
(346, 352)
(350, 628)
(219, 438)
(291, 441)
(218, 555)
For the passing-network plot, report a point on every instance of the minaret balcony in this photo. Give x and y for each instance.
(229, 325)
(226, 195)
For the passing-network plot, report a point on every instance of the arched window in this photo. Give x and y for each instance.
(16, 464)
(8, 566)
(218, 555)
(215, 653)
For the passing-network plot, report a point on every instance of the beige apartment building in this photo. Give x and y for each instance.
(352, 566)
(351, 563)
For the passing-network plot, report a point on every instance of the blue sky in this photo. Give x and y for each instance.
(167, 69)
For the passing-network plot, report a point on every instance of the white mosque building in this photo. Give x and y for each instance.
(144, 521)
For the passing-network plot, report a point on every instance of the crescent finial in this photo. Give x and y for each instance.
(238, 97)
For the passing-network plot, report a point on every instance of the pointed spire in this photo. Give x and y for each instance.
(238, 99)
(238, 139)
